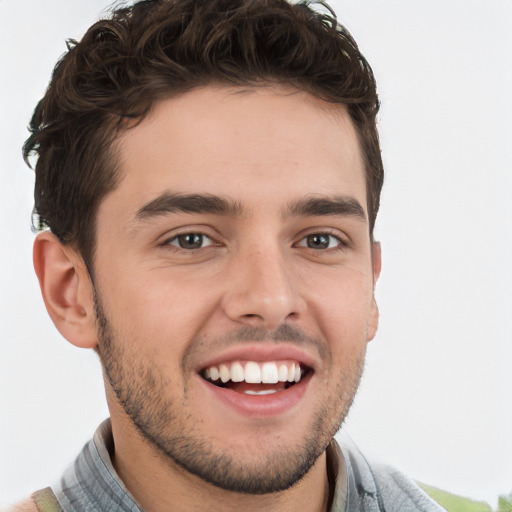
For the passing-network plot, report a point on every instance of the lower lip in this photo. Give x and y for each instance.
(261, 406)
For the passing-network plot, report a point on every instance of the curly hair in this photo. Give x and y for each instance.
(156, 49)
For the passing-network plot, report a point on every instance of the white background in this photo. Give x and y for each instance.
(435, 399)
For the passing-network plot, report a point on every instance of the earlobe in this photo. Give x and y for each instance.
(66, 289)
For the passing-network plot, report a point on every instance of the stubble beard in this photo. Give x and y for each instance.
(141, 391)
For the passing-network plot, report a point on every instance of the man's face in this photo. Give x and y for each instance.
(236, 243)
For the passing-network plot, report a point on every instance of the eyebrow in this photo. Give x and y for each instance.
(168, 203)
(326, 206)
(188, 203)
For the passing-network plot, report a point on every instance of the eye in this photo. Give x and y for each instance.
(190, 241)
(320, 241)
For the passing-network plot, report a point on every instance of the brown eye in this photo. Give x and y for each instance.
(318, 241)
(191, 241)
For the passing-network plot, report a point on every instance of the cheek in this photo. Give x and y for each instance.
(159, 313)
(342, 308)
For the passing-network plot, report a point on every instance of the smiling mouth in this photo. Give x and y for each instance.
(256, 378)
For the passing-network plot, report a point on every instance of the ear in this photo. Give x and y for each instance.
(373, 317)
(67, 290)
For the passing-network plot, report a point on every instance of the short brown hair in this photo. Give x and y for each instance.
(159, 48)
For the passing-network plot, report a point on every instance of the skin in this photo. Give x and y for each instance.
(167, 310)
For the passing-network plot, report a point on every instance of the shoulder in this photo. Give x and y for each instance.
(40, 501)
(381, 487)
(22, 506)
(401, 492)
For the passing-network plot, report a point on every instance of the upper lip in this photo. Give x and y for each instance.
(260, 352)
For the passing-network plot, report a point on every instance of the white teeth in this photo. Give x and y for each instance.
(214, 373)
(252, 373)
(237, 372)
(269, 373)
(283, 373)
(262, 392)
(291, 373)
(224, 373)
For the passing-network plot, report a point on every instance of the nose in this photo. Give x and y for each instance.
(262, 290)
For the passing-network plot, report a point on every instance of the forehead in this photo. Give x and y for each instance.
(251, 144)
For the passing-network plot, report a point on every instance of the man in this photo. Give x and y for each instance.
(209, 173)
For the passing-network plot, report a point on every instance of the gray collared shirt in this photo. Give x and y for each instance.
(92, 484)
